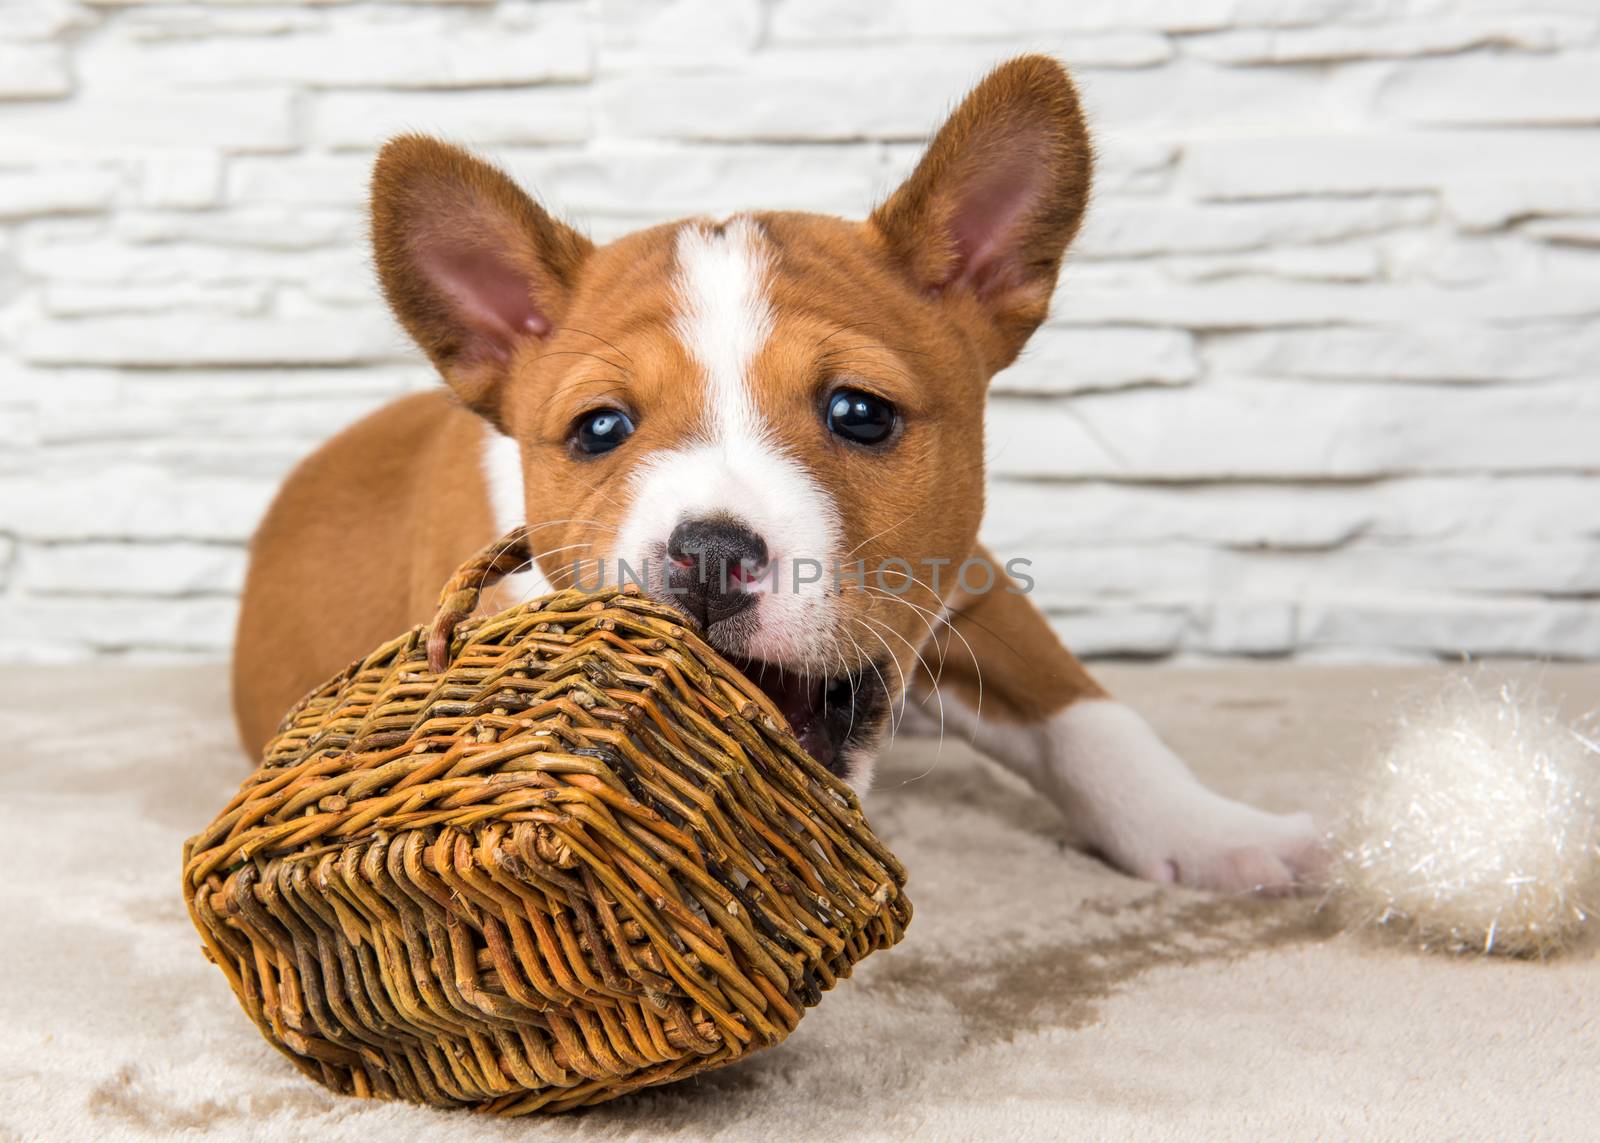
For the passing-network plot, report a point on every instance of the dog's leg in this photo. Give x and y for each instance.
(1008, 684)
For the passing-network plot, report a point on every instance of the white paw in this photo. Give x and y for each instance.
(1225, 846)
(1136, 802)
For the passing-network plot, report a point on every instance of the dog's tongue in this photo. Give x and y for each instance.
(798, 700)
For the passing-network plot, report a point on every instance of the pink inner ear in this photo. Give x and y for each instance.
(989, 209)
(491, 296)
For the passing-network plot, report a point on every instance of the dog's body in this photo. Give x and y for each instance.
(716, 407)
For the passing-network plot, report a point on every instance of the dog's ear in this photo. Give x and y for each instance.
(984, 220)
(472, 267)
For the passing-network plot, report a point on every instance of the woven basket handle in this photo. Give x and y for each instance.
(459, 598)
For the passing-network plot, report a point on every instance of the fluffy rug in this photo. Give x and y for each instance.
(1037, 993)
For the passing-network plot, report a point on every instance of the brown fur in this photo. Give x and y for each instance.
(354, 550)
(905, 304)
(1002, 658)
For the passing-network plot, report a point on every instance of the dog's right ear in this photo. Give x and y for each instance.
(472, 267)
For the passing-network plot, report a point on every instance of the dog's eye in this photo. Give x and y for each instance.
(860, 418)
(601, 431)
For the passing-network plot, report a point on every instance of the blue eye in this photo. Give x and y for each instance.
(601, 431)
(860, 418)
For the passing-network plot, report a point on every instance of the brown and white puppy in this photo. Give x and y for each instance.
(728, 407)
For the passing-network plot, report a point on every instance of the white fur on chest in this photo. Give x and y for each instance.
(502, 473)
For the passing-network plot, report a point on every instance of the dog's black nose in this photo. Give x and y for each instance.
(709, 563)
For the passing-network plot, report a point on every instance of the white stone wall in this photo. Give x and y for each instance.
(1321, 379)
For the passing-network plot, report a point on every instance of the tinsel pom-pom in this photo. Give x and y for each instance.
(1477, 828)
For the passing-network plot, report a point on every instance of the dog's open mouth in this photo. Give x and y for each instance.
(827, 715)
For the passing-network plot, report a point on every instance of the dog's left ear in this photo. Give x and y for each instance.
(984, 220)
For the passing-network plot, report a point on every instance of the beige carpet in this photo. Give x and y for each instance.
(1038, 994)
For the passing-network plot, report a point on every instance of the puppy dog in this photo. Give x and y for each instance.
(775, 421)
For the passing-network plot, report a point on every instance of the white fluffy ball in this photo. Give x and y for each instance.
(1478, 827)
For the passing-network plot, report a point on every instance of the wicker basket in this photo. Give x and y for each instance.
(576, 855)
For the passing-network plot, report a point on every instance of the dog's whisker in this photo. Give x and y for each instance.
(875, 536)
(608, 344)
(910, 646)
(948, 621)
(894, 724)
(936, 677)
(928, 617)
(938, 752)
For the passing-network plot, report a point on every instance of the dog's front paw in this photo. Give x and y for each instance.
(1139, 805)
(1227, 846)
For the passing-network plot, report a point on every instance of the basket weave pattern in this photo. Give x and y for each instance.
(583, 858)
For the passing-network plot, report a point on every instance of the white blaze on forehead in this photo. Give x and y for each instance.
(724, 317)
(733, 466)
